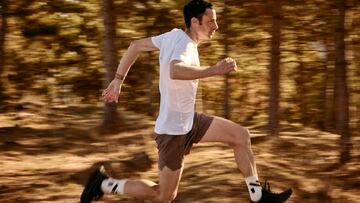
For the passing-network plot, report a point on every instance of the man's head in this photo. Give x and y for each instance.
(200, 17)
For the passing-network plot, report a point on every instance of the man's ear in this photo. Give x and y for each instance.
(194, 21)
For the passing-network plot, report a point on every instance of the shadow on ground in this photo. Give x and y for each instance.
(47, 154)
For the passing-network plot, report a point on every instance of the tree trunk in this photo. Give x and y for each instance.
(2, 33)
(151, 72)
(329, 103)
(110, 116)
(273, 123)
(341, 91)
(150, 79)
(226, 97)
(300, 83)
(226, 77)
(3, 9)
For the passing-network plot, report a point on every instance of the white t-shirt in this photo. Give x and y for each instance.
(177, 102)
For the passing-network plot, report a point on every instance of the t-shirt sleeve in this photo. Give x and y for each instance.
(157, 40)
(172, 46)
(180, 52)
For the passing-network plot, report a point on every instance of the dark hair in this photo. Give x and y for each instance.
(195, 8)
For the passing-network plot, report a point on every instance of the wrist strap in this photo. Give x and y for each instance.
(119, 76)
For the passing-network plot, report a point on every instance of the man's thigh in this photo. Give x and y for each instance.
(223, 130)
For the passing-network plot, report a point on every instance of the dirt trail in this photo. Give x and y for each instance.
(46, 155)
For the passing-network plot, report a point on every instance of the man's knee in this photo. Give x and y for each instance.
(166, 198)
(241, 137)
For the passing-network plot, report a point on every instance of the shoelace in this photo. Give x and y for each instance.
(266, 186)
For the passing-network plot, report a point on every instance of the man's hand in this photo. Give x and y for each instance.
(112, 92)
(224, 66)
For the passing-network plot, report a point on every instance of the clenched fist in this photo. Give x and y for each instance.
(112, 92)
(224, 66)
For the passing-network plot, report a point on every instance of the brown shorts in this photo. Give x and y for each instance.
(173, 148)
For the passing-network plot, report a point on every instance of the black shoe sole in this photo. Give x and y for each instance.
(92, 190)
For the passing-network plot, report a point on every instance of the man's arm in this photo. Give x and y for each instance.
(130, 56)
(112, 92)
(180, 71)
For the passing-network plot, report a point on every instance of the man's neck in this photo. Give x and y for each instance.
(193, 35)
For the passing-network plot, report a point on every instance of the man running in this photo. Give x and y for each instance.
(178, 126)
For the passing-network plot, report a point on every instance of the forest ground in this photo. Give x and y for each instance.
(48, 152)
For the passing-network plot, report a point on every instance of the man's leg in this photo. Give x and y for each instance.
(236, 136)
(100, 183)
(164, 192)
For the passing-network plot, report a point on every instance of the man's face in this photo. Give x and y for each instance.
(208, 25)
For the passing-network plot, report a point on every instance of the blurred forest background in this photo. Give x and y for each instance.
(298, 60)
